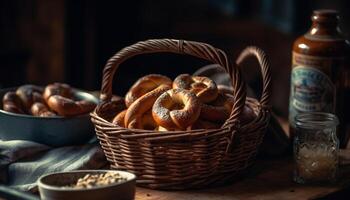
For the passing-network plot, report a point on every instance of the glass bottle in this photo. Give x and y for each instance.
(320, 77)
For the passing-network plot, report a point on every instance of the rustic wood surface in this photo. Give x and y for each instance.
(269, 179)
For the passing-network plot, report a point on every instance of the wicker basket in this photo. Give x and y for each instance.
(185, 159)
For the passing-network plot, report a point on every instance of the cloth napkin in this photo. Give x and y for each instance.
(23, 162)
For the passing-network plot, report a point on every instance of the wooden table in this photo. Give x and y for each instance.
(269, 179)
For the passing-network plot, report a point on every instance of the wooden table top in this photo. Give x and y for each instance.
(269, 179)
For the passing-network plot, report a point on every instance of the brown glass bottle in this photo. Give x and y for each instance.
(320, 78)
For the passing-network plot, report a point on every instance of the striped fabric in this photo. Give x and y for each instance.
(23, 162)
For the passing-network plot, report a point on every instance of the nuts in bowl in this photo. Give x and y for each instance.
(88, 184)
(96, 180)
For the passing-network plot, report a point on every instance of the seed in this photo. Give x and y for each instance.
(92, 180)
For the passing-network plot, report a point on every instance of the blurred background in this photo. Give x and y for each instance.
(70, 41)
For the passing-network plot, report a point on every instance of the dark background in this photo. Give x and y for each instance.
(44, 41)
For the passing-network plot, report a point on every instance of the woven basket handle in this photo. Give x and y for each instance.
(196, 49)
(265, 70)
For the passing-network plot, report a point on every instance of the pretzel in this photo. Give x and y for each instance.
(68, 107)
(60, 89)
(119, 119)
(138, 108)
(145, 85)
(225, 89)
(29, 94)
(218, 110)
(176, 108)
(112, 108)
(205, 88)
(41, 110)
(12, 103)
(145, 122)
(247, 114)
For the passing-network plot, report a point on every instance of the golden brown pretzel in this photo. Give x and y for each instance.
(119, 119)
(12, 103)
(225, 89)
(176, 108)
(68, 107)
(145, 85)
(218, 110)
(145, 122)
(205, 88)
(41, 110)
(60, 89)
(29, 94)
(111, 109)
(247, 114)
(142, 105)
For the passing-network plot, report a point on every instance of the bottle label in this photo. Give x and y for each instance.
(311, 89)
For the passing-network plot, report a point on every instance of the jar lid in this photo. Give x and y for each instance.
(316, 119)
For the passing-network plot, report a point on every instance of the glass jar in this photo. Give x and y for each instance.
(316, 148)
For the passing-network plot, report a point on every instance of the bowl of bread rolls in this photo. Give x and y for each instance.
(55, 115)
(185, 132)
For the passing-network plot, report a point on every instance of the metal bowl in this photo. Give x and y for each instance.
(51, 186)
(53, 131)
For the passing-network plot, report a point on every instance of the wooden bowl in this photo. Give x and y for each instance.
(51, 186)
(53, 131)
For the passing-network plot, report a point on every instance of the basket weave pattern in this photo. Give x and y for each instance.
(185, 159)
